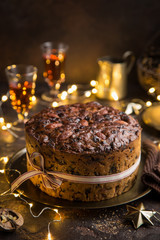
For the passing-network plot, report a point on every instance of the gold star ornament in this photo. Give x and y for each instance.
(139, 216)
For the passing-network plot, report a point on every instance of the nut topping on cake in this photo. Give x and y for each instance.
(83, 128)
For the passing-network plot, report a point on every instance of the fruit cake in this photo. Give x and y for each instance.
(85, 140)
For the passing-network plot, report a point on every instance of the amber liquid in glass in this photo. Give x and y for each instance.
(21, 96)
(54, 68)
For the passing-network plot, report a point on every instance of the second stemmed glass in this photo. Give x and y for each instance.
(22, 83)
(54, 57)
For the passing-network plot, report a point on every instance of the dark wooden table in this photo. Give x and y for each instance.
(76, 224)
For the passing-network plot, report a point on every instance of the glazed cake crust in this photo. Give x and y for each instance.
(83, 128)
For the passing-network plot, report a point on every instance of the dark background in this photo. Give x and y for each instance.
(91, 28)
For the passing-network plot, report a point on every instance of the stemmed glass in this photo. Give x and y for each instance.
(22, 83)
(54, 58)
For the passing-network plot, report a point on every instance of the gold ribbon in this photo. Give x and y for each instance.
(53, 179)
(48, 180)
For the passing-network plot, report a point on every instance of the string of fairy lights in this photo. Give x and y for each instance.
(30, 204)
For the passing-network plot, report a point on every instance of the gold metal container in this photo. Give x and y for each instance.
(112, 78)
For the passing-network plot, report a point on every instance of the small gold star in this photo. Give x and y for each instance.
(138, 215)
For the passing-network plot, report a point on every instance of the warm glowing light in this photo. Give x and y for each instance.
(70, 91)
(34, 78)
(18, 76)
(9, 67)
(1, 120)
(148, 103)
(151, 90)
(44, 74)
(61, 57)
(2, 171)
(159, 146)
(8, 125)
(87, 94)
(4, 98)
(74, 87)
(56, 210)
(25, 85)
(55, 104)
(158, 97)
(94, 90)
(16, 195)
(4, 127)
(30, 204)
(48, 61)
(34, 98)
(49, 236)
(57, 63)
(57, 86)
(114, 96)
(64, 95)
(25, 114)
(5, 159)
(138, 106)
(62, 76)
(18, 102)
(93, 83)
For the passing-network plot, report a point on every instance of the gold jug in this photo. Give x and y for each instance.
(112, 78)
